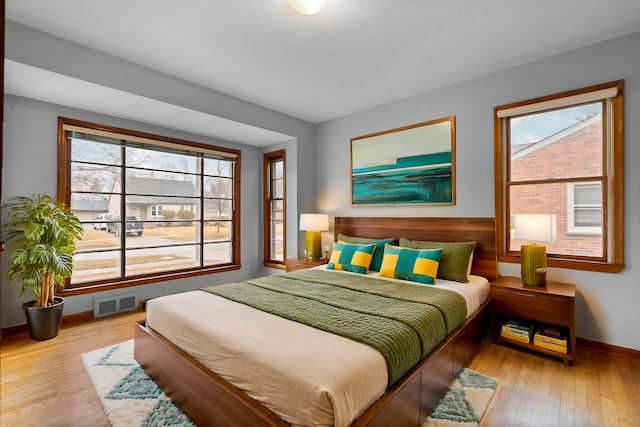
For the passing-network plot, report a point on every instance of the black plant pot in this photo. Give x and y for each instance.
(43, 322)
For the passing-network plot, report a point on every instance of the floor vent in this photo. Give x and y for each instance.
(114, 304)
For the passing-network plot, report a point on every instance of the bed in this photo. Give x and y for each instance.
(208, 399)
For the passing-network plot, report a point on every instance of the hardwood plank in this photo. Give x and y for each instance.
(623, 407)
(529, 380)
(593, 389)
(567, 399)
(609, 417)
(581, 393)
(631, 382)
(45, 382)
(540, 392)
(586, 394)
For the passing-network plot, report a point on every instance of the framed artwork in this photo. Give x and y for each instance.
(409, 165)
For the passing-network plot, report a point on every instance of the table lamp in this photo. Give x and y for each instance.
(533, 256)
(313, 224)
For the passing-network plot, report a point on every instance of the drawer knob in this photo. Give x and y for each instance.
(526, 295)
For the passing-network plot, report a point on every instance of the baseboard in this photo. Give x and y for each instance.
(608, 348)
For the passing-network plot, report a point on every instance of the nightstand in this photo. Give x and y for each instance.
(545, 306)
(300, 263)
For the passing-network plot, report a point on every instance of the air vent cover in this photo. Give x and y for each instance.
(114, 304)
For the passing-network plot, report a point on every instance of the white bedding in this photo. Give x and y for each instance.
(475, 292)
(307, 376)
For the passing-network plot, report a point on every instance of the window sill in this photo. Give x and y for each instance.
(571, 264)
(88, 288)
(583, 233)
(277, 265)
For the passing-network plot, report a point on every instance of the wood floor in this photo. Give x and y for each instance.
(44, 383)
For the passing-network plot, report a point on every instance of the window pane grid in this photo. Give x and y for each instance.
(548, 151)
(274, 207)
(142, 209)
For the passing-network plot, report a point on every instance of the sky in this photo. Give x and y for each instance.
(535, 127)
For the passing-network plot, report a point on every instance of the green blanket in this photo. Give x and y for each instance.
(403, 322)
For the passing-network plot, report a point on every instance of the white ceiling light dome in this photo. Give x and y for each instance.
(308, 7)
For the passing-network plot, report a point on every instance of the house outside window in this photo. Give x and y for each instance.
(274, 208)
(584, 208)
(170, 205)
(561, 156)
(155, 210)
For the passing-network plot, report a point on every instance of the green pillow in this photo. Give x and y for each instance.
(455, 259)
(355, 258)
(410, 264)
(377, 255)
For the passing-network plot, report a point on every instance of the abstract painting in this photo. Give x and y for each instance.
(414, 164)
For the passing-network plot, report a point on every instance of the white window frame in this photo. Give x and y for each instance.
(571, 208)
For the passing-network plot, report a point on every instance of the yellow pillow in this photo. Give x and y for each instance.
(410, 264)
(355, 258)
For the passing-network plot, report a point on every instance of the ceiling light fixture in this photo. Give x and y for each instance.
(308, 7)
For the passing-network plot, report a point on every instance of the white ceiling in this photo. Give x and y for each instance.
(354, 55)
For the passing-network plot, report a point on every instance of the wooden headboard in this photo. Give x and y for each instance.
(480, 230)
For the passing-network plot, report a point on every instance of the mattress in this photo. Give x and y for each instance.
(306, 376)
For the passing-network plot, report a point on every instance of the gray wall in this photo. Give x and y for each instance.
(30, 156)
(606, 304)
(30, 153)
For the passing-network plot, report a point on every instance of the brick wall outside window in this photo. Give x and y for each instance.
(577, 154)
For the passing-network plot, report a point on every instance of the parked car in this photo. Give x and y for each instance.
(131, 226)
(104, 217)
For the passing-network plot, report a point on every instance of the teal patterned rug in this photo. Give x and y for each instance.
(130, 398)
(466, 401)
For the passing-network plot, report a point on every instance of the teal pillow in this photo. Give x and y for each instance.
(410, 264)
(347, 257)
(455, 260)
(377, 255)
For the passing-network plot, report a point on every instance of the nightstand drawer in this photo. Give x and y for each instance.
(532, 305)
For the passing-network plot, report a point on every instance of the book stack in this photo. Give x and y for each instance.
(551, 338)
(518, 331)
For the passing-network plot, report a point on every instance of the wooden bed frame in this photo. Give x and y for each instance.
(208, 400)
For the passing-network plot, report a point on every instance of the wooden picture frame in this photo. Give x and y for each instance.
(413, 164)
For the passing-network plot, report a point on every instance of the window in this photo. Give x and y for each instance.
(274, 208)
(584, 208)
(560, 157)
(153, 208)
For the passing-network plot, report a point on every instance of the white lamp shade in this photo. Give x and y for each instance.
(314, 222)
(535, 227)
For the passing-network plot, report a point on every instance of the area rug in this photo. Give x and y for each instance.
(466, 401)
(130, 398)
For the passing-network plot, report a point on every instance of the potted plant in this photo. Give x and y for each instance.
(40, 236)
